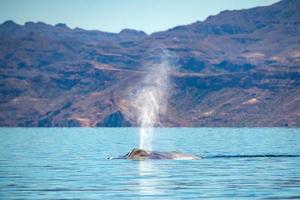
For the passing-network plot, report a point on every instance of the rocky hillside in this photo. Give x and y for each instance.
(238, 68)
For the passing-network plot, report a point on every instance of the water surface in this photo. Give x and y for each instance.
(70, 163)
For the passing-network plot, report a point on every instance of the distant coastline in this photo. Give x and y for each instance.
(236, 69)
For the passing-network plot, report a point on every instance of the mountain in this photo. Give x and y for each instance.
(238, 68)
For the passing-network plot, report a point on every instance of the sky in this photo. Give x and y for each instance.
(115, 15)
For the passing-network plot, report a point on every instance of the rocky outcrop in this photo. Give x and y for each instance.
(115, 119)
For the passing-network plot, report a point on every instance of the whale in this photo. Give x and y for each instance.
(141, 154)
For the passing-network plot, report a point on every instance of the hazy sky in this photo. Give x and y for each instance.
(114, 15)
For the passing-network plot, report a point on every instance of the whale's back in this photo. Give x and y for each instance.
(140, 154)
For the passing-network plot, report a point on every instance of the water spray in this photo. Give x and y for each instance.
(152, 99)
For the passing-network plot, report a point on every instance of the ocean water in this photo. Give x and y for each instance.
(70, 163)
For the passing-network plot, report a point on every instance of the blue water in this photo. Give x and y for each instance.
(70, 163)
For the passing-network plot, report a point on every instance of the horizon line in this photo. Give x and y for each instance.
(127, 28)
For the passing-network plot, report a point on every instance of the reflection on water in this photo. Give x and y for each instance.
(148, 183)
(71, 164)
